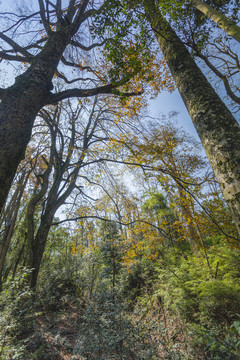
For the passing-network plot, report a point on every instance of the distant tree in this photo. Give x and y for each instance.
(65, 165)
(111, 251)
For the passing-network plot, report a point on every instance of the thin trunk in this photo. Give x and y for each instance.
(216, 127)
(11, 221)
(220, 19)
(38, 244)
(19, 258)
(188, 219)
(204, 248)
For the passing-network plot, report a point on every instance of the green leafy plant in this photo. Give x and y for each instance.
(107, 333)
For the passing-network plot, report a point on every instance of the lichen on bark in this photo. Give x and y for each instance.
(216, 126)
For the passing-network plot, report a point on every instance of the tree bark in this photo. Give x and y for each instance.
(220, 19)
(216, 127)
(37, 249)
(20, 105)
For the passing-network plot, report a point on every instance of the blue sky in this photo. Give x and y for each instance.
(167, 102)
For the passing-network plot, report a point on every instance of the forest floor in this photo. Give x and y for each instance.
(54, 334)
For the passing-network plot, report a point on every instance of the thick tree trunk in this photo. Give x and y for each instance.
(216, 127)
(17, 113)
(220, 19)
(20, 105)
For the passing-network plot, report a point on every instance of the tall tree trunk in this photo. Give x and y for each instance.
(20, 104)
(220, 19)
(38, 251)
(35, 249)
(216, 127)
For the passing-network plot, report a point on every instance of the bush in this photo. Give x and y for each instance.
(58, 289)
(107, 333)
(211, 344)
(219, 301)
(15, 321)
(138, 279)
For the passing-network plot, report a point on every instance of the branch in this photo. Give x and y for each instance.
(87, 48)
(207, 212)
(15, 46)
(70, 63)
(81, 14)
(59, 11)
(106, 89)
(30, 46)
(71, 10)
(117, 221)
(35, 45)
(20, 20)
(62, 76)
(9, 57)
(228, 89)
(43, 17)
(106, 219)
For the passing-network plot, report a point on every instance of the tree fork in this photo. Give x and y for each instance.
(216, 127)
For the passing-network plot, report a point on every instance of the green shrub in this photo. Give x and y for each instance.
(219, 301)
(15, 320)
(211, 344)
(107, 333)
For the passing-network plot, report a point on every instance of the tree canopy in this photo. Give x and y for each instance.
(119, 236)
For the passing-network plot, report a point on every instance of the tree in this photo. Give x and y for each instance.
(214, 47)
(216, 127)
(9, 217)
(56, 44)
(111, 251)
(64, 166)
(171, 162)
(219, 18)
(156, 206)
(65, 169)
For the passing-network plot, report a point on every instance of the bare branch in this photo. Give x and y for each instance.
(15, 46)
(106, 219)
(106, 89)
(87, 48)
(69, 63)
(61, 76)
(228, 89)
(9, 57)
(30, 46)
(20, 21)
(43, 17)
